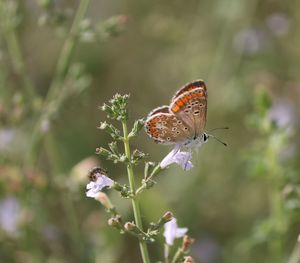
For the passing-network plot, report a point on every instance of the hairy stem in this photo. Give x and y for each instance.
(135, 199)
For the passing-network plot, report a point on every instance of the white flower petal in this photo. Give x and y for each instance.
(91, 193)
(172, 231)
(95, 187)
(180, 232)
(179, 157)
(90, 185)
(106, 181)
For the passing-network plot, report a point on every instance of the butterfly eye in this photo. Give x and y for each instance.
(179, 122)
(168, 139)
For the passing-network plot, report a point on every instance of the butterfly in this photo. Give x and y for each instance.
(183, 121)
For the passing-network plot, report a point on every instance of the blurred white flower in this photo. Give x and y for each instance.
(250, 41)
(45, 125)
(177, 156)
(172, 231)
(9, 214)
(96, 186)
(278, 23)
(284, 114)
(207, 250)
(6, 137)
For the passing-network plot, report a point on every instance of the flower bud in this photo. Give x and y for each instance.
(115, 221)
(189, 259)
(114, 147)
(103, 152)
(123, 158)
(137, 126)
(137, 155)
(168, 216)
(129, 226)
(187, 242)
(108, 110)
(110, 129)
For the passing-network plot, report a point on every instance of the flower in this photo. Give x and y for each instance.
(189, 259)
(250, 41)
(9, 214)
(283, 114)
(279, 24)
(98, 180)
(172, 231)
(177, 156)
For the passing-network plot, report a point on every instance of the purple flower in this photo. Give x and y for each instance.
(9, 214)
(278, 23)
(172, 231)
(283, 114)
(177, 156)
(98, 184)
(250, 41)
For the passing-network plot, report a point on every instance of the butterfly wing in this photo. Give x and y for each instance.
(165, 128)
(190, 105)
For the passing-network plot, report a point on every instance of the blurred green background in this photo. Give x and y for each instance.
(241, 203)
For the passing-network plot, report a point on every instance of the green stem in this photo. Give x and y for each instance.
(67, 202)
(135, 199)
(178, 256)
(67, 51)
(15, 53)
(295, 256)
(278, 221)
(59, 76)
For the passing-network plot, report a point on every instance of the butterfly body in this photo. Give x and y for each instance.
(183, 121)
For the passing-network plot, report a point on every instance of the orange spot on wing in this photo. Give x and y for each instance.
(179, 103)
(184, 100)
(175, 108)
(154, 120)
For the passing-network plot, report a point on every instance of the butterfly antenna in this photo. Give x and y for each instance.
(222, 128)
(217, 139)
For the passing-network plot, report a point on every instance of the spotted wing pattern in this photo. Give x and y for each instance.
(184, 119)
(190, 105)
(165, 128)
(190, 86)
